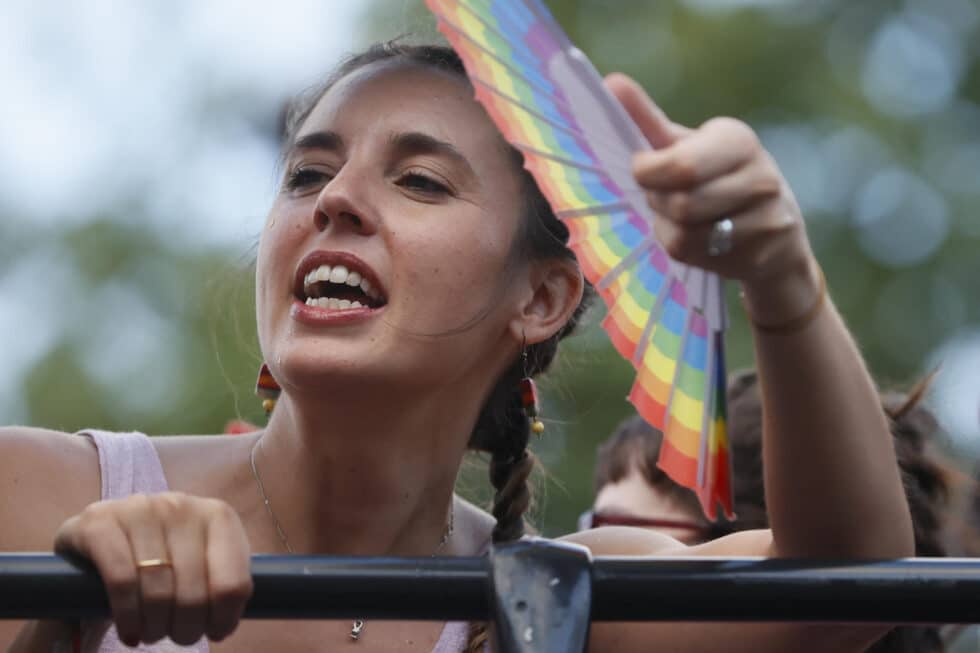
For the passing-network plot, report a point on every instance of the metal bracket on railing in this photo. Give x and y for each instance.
(540, 596)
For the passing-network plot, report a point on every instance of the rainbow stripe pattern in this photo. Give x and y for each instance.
(668, 319)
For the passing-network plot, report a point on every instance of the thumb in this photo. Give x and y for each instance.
(652, 121)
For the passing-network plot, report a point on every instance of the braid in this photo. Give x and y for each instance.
(503, 431)
(513, 496)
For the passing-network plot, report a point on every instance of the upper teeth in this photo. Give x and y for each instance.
(338, 274)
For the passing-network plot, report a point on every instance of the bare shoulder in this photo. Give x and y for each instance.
(45, 477)
(623, 541)
(203, 465)
(629, 541)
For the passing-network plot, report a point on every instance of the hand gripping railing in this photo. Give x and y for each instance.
(541, 595)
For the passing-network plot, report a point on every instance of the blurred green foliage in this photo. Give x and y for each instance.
(177, 322)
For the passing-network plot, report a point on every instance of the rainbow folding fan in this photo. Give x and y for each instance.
(667, 318)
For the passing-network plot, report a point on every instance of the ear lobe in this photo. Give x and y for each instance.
(557, 286)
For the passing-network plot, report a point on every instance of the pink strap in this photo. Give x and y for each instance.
(129, 464)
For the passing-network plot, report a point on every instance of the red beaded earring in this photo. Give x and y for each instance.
(267, 388)
(529, 396)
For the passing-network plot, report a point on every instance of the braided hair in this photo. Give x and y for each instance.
(502, 428)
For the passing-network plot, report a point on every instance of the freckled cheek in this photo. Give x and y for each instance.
(461, 274)
(279, 249)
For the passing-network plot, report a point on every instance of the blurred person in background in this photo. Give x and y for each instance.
(631, 490)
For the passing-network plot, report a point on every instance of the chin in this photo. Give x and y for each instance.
(338, 371)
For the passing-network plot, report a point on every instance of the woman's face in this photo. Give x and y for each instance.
(387, 252)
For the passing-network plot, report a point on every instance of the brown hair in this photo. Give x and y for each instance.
(502, 428)
(925, 477)
(636, 444)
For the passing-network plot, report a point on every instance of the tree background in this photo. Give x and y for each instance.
(126, 289)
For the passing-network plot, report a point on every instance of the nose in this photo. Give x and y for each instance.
(341, 205)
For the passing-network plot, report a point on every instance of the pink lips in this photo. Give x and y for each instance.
(317, 316)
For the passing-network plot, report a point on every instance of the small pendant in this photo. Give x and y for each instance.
(355, 629)
(529, 396)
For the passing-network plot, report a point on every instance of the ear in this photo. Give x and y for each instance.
(555, 292)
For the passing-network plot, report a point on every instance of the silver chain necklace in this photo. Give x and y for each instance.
(358, 624)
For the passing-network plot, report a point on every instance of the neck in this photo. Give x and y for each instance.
(346, 476)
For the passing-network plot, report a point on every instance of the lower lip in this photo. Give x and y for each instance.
(316, 316)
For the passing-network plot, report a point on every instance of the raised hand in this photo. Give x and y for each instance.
(725, 204)
(173, 565)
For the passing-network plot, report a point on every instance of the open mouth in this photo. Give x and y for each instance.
(338, 287)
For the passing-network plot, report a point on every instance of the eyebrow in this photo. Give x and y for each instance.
(323, 140)
(409, 143)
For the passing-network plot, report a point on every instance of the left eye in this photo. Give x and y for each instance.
(423, 183)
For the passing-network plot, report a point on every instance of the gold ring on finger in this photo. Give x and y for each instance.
(152, 563)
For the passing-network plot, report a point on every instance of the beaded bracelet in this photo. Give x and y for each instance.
(798, 323)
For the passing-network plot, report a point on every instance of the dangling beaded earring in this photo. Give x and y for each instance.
(529, 396)
(267, 388)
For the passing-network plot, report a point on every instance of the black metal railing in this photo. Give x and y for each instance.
(542, 595)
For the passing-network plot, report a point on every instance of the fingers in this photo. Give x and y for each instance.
(760, 237)
(694, 178)
(652, 121)
(97, 535)
(141, 517)
(229, 571)
(753, 184)
(186, 541)
(720, 146)
(204, 584)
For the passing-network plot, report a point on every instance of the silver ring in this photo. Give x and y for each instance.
(721, 240)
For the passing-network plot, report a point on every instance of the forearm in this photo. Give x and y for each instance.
(832, 484)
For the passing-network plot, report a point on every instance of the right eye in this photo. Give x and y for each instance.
(303, 177)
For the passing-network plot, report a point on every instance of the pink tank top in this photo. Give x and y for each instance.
(129, 465)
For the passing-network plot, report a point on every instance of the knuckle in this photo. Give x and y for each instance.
(679, 206)
(120, 579)
(231, 592)
(670, 237)
(172, 500)
(736, 129)
(97, 513)
(675, 247)
(640, 165)
(157, 595)
(767, 186)
(170, 504)
(138, 502)
(192, 603)
(655, 202)
(683, 169)
(221, 512)
(91, 529)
